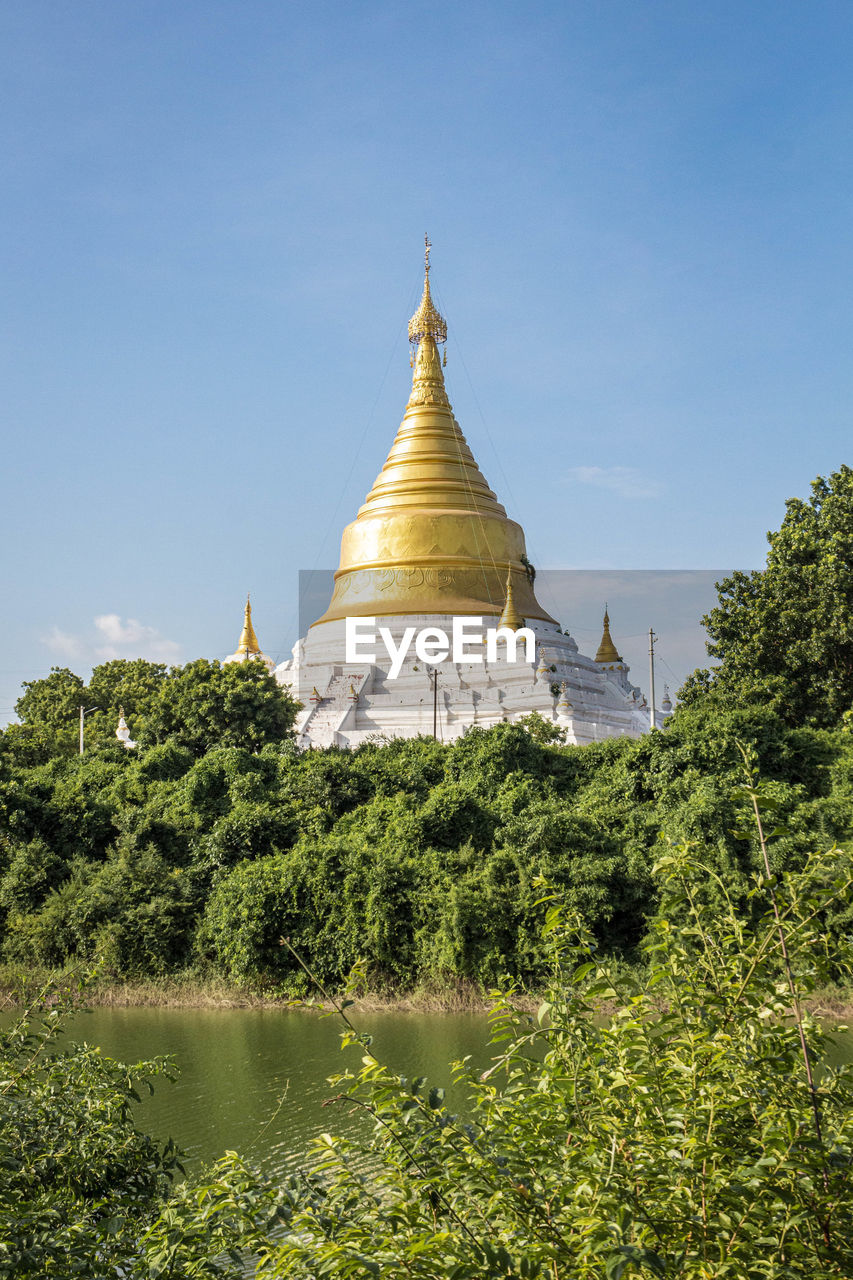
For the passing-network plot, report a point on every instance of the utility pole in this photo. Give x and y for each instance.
(84, 711)
(435, 702)
(652, 638)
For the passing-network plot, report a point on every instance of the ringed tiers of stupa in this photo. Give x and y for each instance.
(432, 543)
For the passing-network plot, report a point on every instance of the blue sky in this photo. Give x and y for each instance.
(211, 240)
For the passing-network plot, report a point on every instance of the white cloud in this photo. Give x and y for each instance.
(113, 637)
(63, 643)
(628, 482)
(131, 639)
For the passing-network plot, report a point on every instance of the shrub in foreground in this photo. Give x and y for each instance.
(78, 1182)
(697, 1132)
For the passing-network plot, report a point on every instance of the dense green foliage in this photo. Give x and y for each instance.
(201, 705)
(679, 1137)
(78, 1182)
(784, 635)
(419, 859)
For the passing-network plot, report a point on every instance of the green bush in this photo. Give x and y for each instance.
(694, 1132)
(402, 852)
(685, 1126)
(133, 912)
(79, 1184)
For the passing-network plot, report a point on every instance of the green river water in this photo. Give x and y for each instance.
(254, 1080)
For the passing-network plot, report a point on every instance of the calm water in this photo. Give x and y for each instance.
(254, 1080)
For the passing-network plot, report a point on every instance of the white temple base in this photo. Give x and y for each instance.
(345, 704)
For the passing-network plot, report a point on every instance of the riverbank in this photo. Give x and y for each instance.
(190, 991)
(187, 990)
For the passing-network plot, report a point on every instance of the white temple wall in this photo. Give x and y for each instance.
(345, 704)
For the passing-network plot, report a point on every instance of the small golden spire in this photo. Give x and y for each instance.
(427, 322)
(248, 640)
(510, 616)
(607, 649)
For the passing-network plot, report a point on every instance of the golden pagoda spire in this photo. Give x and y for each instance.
(427, 322)
(248, 640)
(248, 647)
(607, 649)
(431, 537)
(427, 328)
(510, 616)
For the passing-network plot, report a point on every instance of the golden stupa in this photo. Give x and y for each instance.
(431, 537)
(606, 651)
(248, 648)
(248, 645)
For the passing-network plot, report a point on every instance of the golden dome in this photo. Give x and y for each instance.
(431, 536)
(607, 649)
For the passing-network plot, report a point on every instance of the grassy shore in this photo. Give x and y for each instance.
(189, 990)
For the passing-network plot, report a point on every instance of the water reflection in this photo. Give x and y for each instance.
(254, 1080)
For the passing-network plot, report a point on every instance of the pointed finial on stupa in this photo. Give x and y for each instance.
(607, 649)
(427, 322)
(510, 617)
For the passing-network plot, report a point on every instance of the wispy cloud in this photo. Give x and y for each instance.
(113, 637)
(628, 482)
(132, 639)
(63, 643)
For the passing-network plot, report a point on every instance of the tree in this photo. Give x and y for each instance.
(784, 634)
(79, 1183)
(129, 684)
(50, 708)
(199, 706)
(52, 705)
(681, 1136)
(27, 745)
(206, 704)
(542, 730)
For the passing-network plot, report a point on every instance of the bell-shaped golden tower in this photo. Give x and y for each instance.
(510, 616)
(431, 537)
(606, 651)
(248, 648)
(248, 640)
